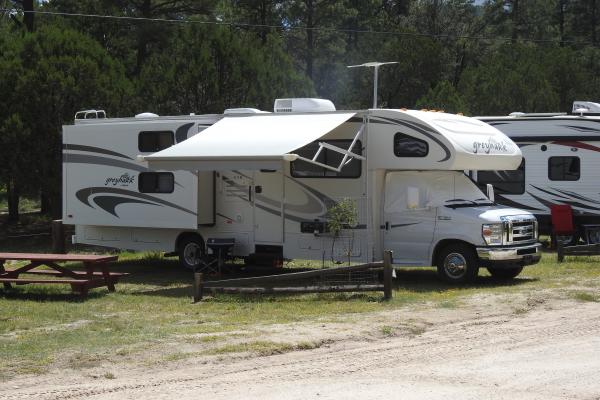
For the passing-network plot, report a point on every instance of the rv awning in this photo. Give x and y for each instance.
(248, 142)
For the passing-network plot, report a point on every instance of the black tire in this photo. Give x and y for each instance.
(504, 274)
(192, 252)
(458, 263)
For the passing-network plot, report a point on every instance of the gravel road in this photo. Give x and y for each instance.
(549, 351)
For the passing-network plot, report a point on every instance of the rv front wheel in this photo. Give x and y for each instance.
(457, 263)
(191, 252)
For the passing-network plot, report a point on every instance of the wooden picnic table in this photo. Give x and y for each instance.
(96, 272)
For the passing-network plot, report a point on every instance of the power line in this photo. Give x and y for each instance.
(289, 28)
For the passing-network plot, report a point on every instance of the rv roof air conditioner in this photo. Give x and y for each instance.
(146, 115)
(90, 114)
(244, 110)
(585, 107)
(303, 105)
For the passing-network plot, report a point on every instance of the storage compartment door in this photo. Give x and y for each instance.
(206, 197)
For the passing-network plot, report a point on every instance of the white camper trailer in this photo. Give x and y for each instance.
(561, 160)
(266, 180)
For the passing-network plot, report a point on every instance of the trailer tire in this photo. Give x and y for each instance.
(457, 263)
(505, 274)
(192, 252)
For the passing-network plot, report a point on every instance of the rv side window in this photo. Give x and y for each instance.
(564, 168)
(156, 182)
(505, 181)
(408, 146)
(151, 141)
(303, 169)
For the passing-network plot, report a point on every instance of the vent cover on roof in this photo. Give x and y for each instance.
(303, 105)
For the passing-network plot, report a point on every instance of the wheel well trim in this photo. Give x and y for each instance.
(444, 243)
(184, 235)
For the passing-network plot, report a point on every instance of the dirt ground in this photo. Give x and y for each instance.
(492, 346)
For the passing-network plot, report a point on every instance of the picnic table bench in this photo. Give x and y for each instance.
(80, 281)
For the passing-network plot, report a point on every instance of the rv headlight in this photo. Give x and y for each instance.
(492, 233)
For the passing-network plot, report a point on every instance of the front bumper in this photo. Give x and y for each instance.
(521, 255)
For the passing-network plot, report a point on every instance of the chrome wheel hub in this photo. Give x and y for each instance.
(455, 265)
(192, 254)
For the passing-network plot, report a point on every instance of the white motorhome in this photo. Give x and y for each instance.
(266, 180)
(561, 160)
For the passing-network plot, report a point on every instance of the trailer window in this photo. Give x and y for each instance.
(408, 146)
(505, 181)
(303, 169)
(156, 182)
(151, 141)
(564, 168)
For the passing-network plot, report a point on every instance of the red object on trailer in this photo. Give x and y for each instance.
(562, 219)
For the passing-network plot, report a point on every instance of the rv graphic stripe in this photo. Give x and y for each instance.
(511, 203)
(84, 159)
(422, 129)
(109, 203)
(181, 133)
(577, 196)
(92, 149)
(547, 192)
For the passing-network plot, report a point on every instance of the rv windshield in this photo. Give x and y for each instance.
(436, 188)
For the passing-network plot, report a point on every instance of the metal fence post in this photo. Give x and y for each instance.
(198, 283)
(58, 237)
(560, 251)
(387, 275)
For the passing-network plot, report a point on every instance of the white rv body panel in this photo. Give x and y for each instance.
(276, 176)
(540, 139)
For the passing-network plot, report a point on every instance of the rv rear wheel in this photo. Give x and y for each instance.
(504, 274)
(457, 263)
(191, 252)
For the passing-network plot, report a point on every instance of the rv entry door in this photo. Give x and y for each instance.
(267, 198)
(409, 223)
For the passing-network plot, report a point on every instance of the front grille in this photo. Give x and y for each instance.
(520, 229)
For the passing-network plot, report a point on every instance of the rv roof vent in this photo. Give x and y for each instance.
(583, 107)
(146, 115)
(516, 114)
(90, 114)
(243, 111)
(303, 105)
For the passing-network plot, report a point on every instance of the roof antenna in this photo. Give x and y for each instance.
(376, 66)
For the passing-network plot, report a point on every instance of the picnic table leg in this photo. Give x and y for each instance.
(107, 278)
(2, 270)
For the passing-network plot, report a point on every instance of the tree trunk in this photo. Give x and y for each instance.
(28, 14)
(515, 21)
(310, 42)
(561, 21)
(13, 201)
(142, 39)
(44, 202)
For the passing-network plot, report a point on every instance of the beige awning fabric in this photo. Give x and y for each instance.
(247, 142)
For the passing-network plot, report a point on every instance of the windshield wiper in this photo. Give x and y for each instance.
(466, 203)
(484, 201)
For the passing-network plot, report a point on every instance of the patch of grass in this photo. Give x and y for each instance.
(387, 330)
(153, 306)
(264, 348)
(109, 375)
(585, 297)
(521, 310)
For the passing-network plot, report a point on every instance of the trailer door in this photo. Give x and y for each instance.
(408, 228)
(268, 207)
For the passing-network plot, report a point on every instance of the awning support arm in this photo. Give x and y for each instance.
(348, 154)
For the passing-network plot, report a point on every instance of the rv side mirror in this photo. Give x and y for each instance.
(490, 192)
(412, 201)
